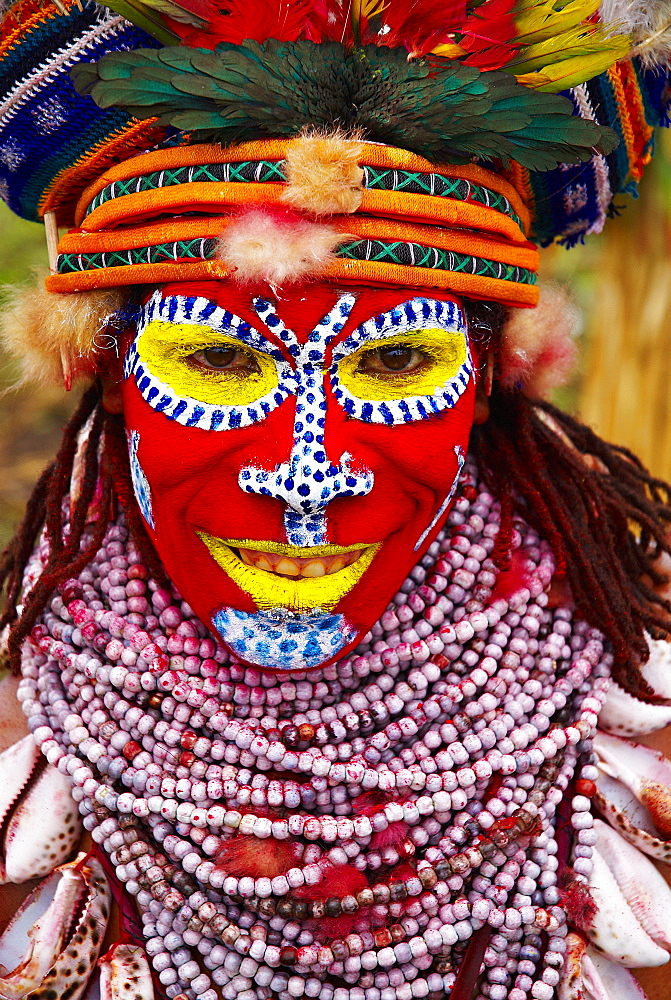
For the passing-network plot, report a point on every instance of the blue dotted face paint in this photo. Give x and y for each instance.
(308, 480)
(140, 482)
(299, 453)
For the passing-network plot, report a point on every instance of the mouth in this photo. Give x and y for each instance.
(289, 576)
(310, 567)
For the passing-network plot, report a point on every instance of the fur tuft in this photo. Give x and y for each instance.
(538, 348)
(247, 855)
(323, 173)
(576, 899)
(277, 246)
(56, 337)
(392, 836)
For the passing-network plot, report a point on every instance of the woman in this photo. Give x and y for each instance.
(319, 602)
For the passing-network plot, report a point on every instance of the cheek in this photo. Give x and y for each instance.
(414, 464)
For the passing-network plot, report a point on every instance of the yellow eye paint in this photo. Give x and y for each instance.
(165, 348)
(269, 590)
(445, 350)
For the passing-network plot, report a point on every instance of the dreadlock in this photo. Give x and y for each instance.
(608, 525)
(104, 465)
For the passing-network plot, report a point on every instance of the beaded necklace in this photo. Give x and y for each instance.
(395, 812)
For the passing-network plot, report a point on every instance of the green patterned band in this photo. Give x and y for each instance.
(380, 251)
(265, 171)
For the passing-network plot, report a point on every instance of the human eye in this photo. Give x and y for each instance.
(416, 363)
(224, 358)
(393, 359)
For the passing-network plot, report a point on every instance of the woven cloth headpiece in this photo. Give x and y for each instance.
(157, 217)
(473, 152)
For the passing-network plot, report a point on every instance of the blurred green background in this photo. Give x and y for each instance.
(621, 279)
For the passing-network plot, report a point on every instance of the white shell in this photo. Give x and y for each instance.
(125, 975)
(627, 770)
(625, 715)
(43, 829)
(643, 887)
(41, 952)
(657, 670)
(615, 930)
(606, 980)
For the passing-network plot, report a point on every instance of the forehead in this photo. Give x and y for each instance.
(301, 309)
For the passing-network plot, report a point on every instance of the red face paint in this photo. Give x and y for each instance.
(322, 431)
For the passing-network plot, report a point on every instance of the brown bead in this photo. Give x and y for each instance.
(397, 892)
(428, 878)
(365, 897)
(306, 731)
(333, 907)
(397, 933)
(287, 955)
(155, 700)
(285, 909)
(382, 938)
(349, 904)
(300, 909)
(459, 864)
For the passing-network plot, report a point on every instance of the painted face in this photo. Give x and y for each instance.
(294, 457)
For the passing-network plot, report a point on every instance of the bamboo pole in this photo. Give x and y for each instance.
(625, 393)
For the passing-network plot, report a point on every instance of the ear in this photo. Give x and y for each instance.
(481, 411)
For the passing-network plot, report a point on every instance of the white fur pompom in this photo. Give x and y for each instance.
(277, 246)
(538, 348)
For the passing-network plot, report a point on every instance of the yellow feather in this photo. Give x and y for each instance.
(549, 19)
(573, 44)
(449, 51)
(573, 71)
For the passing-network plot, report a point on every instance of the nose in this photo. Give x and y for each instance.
(308, 480)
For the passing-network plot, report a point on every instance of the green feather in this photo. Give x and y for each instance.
(447, 112)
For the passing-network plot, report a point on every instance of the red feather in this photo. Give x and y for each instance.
(576, 899)
(488, 34)
(234, 21)
(420, 25)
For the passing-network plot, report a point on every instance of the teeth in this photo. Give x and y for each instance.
(294, 566)
(314, 569)
(287, 567)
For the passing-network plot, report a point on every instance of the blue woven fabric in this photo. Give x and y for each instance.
(47, 126)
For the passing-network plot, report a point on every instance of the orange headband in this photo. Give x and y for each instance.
(460, 228)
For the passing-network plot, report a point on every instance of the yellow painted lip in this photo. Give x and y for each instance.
(270, 590)
(295, 551)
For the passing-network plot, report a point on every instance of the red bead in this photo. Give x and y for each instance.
(186, 758)
(131, 750)
(584, 786)
(188, 739)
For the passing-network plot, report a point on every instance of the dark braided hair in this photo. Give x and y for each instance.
(607, 526)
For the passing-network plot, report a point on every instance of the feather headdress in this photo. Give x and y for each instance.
(451, 82)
